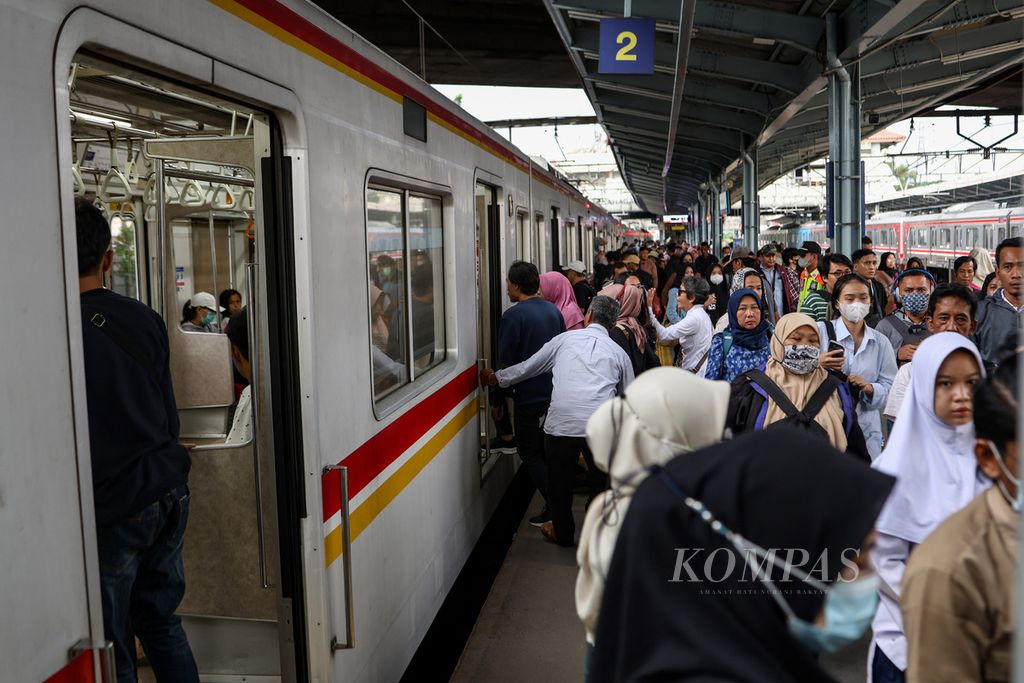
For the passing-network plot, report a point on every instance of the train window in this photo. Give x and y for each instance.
(944, 237)
(522, 239)
(426, 282)
(388, 321)
(970, 239)
(1000, 235)
(405, 242)
(123, 271)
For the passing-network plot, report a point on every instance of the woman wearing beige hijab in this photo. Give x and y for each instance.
(665, 412)
(795, 389)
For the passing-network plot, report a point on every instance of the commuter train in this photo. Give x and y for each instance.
(938, 239)
(260, 145)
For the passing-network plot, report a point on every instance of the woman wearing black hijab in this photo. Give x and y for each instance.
(682, 604)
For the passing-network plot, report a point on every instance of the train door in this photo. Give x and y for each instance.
(489, 282)
(579, 238)
(537, 253)
(206, 184)
(554, 241)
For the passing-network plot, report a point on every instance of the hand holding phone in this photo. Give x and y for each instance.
(836, 346)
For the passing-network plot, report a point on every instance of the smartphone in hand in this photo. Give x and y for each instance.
(836, 346)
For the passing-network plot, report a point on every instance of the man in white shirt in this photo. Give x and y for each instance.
(695, 330)
(587, 369)
(951, 308)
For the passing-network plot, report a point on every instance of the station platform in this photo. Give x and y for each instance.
(528, 629)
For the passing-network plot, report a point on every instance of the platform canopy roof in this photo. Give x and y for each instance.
(752, 75)
(464, 42)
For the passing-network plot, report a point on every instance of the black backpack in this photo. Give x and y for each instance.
(798, 419)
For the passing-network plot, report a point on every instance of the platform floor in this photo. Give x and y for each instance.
(528, 630)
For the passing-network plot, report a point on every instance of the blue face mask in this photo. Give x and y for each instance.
(915, 303)
(849, 608)
(210, 318)
(849, 605)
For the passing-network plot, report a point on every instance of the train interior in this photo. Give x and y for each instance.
(177, 174)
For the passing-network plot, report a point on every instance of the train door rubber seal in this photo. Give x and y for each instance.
(284, 373)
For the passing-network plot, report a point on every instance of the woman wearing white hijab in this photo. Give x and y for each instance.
(931, 453)
(665, 412)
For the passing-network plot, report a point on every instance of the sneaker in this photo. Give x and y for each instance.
(499, 445)
(544, 516)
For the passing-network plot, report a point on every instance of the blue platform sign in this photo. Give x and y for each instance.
(626, 46)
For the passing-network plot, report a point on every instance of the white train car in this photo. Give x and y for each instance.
(937, 239)
(260, 145)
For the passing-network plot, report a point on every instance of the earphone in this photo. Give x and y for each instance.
(909, 271)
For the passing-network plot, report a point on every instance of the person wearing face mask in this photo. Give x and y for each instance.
(664, 413)
(795, 390)
(906, 329)
(931, 453)
(719, 289)
(744, 345)
(951, 308)
(693, 593)
(866, 357)
(199, 314)
(810, 279)
(959, 589)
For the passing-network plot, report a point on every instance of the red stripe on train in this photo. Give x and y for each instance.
(78, 670)
(301, 28)
(373, 457)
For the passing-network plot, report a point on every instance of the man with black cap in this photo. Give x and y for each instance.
(810, 280)
(576, 272)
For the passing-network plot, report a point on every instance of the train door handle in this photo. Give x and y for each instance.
(346, 556)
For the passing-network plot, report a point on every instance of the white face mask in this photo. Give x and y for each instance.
(854, 312)
(716, 279)
(802, 262)
(1016, 502)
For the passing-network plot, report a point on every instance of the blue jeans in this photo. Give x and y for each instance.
(142, 579)
(883, 670)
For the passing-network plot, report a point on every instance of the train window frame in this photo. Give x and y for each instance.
(416, 381)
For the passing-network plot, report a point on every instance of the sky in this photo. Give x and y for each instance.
(489, 103)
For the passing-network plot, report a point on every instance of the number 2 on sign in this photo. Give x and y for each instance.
(625, 52)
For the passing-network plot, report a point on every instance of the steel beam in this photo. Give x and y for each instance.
(751, 211)
(722, 18)
(746, 69)
(844, 148)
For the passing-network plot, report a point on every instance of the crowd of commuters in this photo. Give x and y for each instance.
(794, 356)
(749, 508)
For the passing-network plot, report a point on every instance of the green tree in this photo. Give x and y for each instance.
(905, 176)
(123, 246)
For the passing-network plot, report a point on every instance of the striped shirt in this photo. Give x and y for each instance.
(816, 305)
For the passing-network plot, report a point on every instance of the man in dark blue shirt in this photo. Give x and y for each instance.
(526, 327)
(139, 469)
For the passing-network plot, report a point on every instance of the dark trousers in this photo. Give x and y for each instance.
(562, 453)
(142, 580)
(883, 670)
(530, 443)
